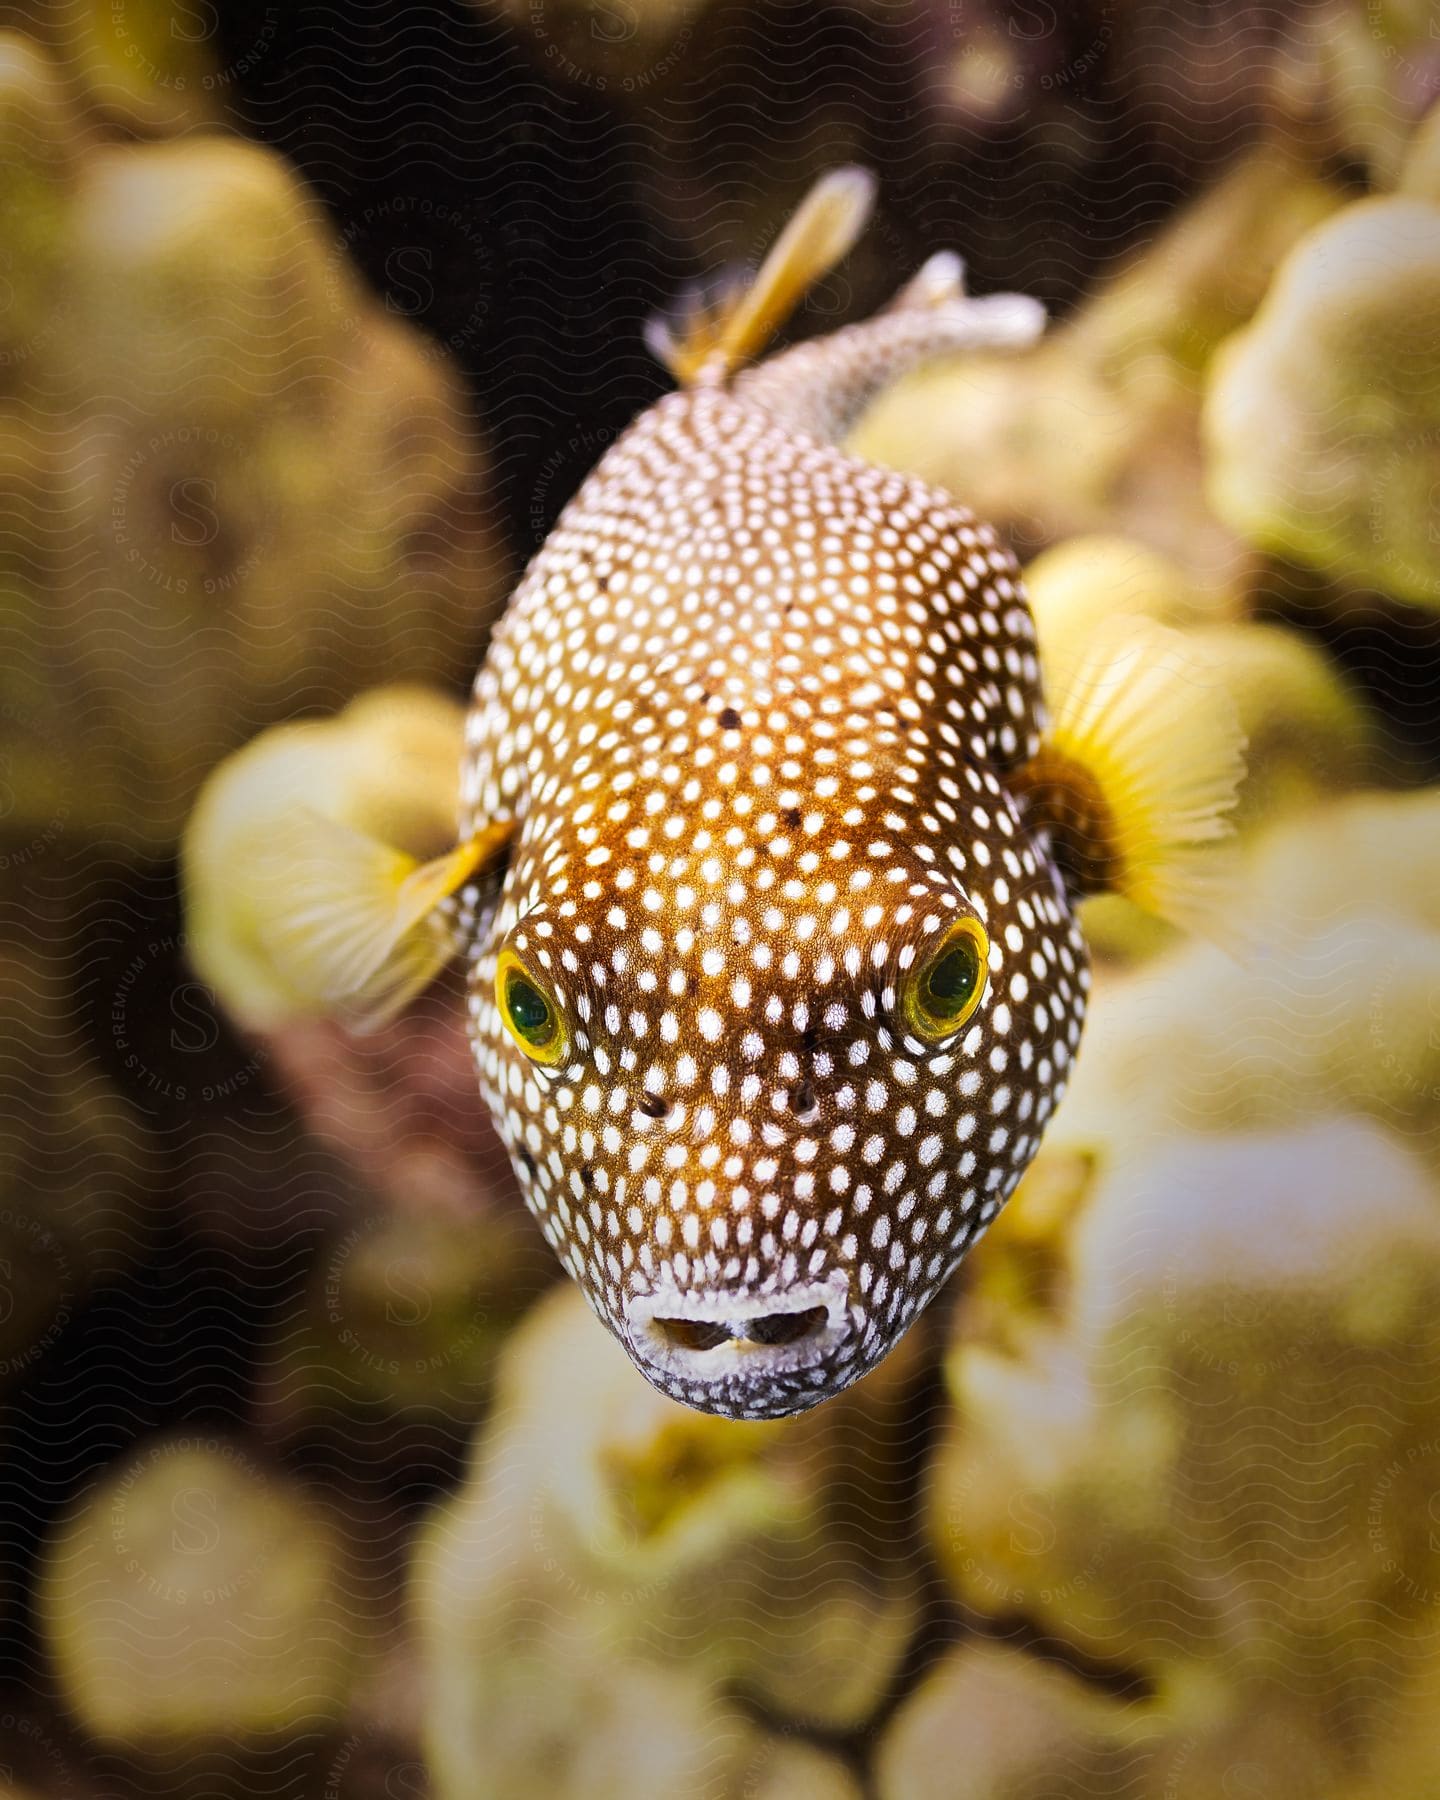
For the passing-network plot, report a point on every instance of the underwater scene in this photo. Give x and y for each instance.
(720, 864)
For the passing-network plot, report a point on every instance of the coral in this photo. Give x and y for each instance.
(1194, 1370)
(1031, 1731)
(74, 1165)
(1097, 428)
(1322, 419)
(192, 1594)
(1420, 172)
(239, 489)
(612, 1547)
(1212, 1463)
(405, 1314)
(1320, 995)
(148, 67)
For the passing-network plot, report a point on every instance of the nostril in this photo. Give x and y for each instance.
(803, 1099)
(693, 1334)
(785, 1328)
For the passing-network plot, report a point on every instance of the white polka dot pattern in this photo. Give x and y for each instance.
(753, 706)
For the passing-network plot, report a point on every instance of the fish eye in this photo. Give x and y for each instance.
(529, 1013)
(942, 992)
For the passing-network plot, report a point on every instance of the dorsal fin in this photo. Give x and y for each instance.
(716, 327)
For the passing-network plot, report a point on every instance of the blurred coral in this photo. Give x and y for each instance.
(1097, 429)
(1420, 172)
(607, 1528)
(1147, 1507)
(75, 1165)
(231, 468)
(1032, 1731)
(192, 1594)
(1323, 418)
(1189, 1349)
(1027, 1731)
(1195, 1372)
(402, 1106)
(1322, 999)
(151, 67)
(405, 1314)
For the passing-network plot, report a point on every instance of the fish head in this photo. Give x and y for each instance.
(761, 1105)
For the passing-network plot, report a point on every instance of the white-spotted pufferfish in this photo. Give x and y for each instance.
(768, 860)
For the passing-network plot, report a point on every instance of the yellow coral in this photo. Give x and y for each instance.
(1097, 429)
(603, 1519)
(236, 488)
(1218, 1450)
(991, 1724)
(1420, 172)
(1323, 417)
(194, 1594)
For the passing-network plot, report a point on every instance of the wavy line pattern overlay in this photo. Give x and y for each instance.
(318, 1482)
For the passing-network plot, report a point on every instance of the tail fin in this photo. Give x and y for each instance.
(713, 329)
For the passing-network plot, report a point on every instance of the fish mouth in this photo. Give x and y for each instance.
(738, 1338)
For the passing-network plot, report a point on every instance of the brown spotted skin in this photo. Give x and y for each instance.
(753, 706)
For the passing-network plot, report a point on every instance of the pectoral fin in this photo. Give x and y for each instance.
(354, 927)
(1138, 770)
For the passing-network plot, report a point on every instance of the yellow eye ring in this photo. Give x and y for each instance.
(941, 992)
(529, 1012)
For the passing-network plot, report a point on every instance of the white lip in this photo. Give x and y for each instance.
(738, 1358)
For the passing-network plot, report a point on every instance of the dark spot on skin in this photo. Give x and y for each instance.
(729, 719)
(652, 1106)
(587, 1176)
(803, 1098)
(809, 1038)
(528, 1163)
(791, 816)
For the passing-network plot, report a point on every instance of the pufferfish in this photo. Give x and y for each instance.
(768, 862)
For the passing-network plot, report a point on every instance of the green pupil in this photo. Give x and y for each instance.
(528, 1008)
(952, 981)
